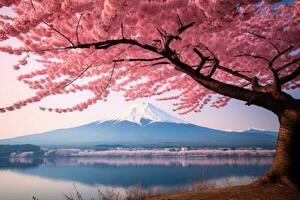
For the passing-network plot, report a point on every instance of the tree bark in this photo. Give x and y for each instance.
(286, 164)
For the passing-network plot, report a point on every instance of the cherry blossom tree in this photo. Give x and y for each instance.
(195, 52)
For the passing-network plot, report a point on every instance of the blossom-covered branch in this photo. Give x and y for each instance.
(193, 39)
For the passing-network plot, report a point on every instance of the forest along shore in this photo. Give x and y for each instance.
(28, 150)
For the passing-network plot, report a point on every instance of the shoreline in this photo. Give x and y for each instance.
(155, 153)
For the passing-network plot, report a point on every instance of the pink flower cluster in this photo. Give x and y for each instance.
(47, 28)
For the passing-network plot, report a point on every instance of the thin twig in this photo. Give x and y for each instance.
(109, 80)
(253, 56)
(265, 38)
(77, 26)
(77, 77)
(60, 33)
(122, 30)
(32, 5)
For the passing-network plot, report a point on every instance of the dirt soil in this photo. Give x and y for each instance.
(249, 192)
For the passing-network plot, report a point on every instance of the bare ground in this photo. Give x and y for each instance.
(248, 192)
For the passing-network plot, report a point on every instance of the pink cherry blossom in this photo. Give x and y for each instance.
(240, 37)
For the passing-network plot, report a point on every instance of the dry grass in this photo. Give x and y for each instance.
(198, 191)
(248, 192)
(134, 193)
(137, 193)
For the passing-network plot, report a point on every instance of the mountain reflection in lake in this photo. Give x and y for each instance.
(49, 178)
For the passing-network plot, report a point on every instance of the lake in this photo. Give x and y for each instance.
(50, 178)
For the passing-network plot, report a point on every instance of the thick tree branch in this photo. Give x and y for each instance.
(185, 27)
(214, 67)
(155, 64)
(274, 88)
(256, 98)
(288, 64)
(181, 29)
(276, 85)
(200, 54)
(214, 85)
(203, 58)
(235, 73)
(208, 82)
(290, 77)
(110, 43)
(138, 59)
(280, 54)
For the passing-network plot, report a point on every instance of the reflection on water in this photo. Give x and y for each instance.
(48, 178)
(182, 161)
(20, 162)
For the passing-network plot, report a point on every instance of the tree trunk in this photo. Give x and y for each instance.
(286, 164)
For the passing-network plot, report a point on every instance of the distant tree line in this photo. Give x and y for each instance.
(6, 150)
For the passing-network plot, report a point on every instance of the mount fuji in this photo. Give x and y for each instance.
(147, 113)
(144, 124)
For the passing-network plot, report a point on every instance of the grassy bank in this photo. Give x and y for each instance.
(249, 192)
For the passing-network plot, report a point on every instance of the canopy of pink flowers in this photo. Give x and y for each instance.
(46, 27)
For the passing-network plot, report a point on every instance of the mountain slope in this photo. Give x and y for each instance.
(144, 124)
(138, 112)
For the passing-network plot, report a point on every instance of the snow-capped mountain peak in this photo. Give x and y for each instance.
(138, 111)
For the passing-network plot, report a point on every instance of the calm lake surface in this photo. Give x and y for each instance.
(50, 178)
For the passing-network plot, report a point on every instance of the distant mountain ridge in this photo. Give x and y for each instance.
(145, 124)
(253, 130)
